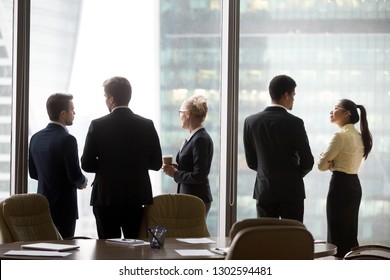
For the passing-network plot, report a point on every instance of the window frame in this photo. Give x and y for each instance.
(229, 107)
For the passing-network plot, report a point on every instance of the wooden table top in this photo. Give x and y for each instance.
(95, 249)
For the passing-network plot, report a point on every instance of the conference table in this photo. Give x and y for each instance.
(174, 249)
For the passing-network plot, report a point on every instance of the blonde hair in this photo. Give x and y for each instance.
(197, 105)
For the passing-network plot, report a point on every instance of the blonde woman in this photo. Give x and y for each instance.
(343, 157)
(195, 156)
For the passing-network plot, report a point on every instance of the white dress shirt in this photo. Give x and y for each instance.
(190, 136)
(344, 152)
(60, 124)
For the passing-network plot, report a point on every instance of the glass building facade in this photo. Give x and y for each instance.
(190, 59)
(54, 27)
(333, 49)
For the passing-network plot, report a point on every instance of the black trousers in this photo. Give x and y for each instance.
(65, 227)
(112, 221)
(281, 209)
(342, 210)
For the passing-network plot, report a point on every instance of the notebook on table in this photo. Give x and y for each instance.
(50, 246)
(36, 253)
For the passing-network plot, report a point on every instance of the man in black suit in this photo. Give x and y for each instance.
(54, 162)
(120, 148)
(277, 148)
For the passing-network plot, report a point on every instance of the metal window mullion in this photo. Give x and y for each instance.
(20, 96)
(229, 114)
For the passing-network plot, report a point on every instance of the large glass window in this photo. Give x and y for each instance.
(334, 50)
(171, 49)
(167, 50)
(55, 27)
(190, 58)
(6, 12)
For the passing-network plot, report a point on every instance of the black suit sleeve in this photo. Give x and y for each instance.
(156, 155)
(71, 161)
(31, 166)
(249, 147)
(89, 159)
(301, 142)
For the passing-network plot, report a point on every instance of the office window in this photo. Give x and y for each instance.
(167, 60)
(334, 50)
(3, 52)
(190, 54)
(5, 94)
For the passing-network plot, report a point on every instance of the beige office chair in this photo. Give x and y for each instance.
(261, 222)
(369, 252)
(27, 217)
(5, 234)
(182, 215)
(277, 240)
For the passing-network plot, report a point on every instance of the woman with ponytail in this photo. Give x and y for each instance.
(343, 157)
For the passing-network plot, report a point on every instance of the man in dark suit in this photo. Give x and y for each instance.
(54, 162)
(277, 148)
(120, 148)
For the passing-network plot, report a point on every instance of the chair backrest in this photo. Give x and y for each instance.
(270, 239)
(182, 215)
(369, 252)
(261, 222)
(5, 234)
(28, 218)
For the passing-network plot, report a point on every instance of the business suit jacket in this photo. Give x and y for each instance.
(54, 162)
(277, 148)
(121, 148)
(194, 163)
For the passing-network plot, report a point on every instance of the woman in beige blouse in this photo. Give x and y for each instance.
(343, 157)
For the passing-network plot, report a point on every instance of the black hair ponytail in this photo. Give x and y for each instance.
(354, 118)
(366, 134)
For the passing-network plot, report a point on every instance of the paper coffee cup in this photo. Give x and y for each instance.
(167, 159)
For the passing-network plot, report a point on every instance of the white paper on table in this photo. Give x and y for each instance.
(140, 244)
(50, 246)
(194, 252)
(36, 253)
(196, 240)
